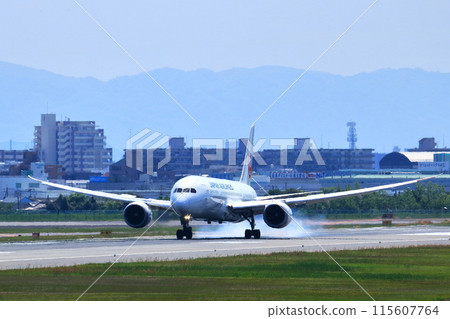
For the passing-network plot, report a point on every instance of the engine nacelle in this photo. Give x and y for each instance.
(277, 215)
(137, 215)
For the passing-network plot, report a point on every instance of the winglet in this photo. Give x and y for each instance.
(246, 173)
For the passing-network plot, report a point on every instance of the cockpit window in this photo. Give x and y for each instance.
(185, 190)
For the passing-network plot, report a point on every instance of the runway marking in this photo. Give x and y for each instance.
(222, 242)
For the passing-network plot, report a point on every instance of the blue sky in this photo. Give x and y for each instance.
(58, 36)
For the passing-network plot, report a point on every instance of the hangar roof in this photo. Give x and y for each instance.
(406, 160)
(419, 156)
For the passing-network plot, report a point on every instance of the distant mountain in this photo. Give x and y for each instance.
(390, 107)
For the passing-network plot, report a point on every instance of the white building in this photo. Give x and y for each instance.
(13, 186)
(76, 145)
(45, 139)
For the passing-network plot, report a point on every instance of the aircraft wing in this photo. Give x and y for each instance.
(259, 198)
(258, 205)
(157, 203)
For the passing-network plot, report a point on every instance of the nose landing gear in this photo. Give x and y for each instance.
(187, 230)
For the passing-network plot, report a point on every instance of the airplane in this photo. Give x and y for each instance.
(216, 200)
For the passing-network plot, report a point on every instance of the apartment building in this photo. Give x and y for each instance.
(78, 146)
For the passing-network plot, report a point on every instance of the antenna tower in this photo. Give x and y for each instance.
(351, 136)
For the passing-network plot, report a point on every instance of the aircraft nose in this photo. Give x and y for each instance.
(181, 204)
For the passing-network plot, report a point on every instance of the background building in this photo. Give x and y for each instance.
(78, 146)
(11, 156)
(45, 139)
(13, 188)
(425, 158)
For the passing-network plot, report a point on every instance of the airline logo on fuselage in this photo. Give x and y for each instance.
(221, 186)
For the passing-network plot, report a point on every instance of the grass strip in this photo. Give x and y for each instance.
(414, 273)
(67, 233)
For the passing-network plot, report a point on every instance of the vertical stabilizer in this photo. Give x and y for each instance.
(246, 174)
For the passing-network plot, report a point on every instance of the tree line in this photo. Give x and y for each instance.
(78, 201)
(424, 197)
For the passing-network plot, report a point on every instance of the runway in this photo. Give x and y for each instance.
(74, 252)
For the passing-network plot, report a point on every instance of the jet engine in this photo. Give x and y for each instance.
(137, 214)
(277, 215)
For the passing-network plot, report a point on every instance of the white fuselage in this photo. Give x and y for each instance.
(206, 198)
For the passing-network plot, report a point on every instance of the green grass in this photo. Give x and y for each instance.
(402, 214)
(394, 224)
(45, 216)
(416, 273)
(66, 233)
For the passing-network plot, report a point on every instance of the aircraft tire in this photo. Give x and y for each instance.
(248, 234)
(180, 234)
(188, 233)
(257, 234)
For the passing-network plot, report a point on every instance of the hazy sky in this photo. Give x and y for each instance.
(56, 35)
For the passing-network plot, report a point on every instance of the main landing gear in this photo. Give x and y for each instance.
(187, 230)
(249, 233)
